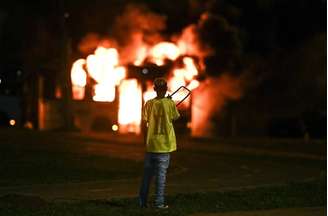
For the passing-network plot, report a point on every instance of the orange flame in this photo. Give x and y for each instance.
(129, 114)
(193, 84)
(164, 50)
(149, 93)
(142, 53)
(103, 68)
(79, 79)
(184, 75)
(190, 68)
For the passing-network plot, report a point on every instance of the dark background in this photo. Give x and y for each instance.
(279, 45)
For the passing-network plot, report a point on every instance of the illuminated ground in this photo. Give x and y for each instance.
(59, 166)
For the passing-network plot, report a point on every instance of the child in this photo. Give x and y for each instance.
(158, 115)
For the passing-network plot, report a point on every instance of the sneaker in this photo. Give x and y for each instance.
(162, 207)
(143, 205)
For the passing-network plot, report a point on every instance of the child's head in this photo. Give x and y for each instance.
(160, 86)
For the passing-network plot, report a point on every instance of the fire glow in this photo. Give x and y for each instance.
(104, 68)
(79, 79)
(137, 45)
(129, 113)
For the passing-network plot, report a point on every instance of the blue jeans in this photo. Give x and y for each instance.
(155, 164)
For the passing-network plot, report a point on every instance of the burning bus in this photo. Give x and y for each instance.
(113, 79)
(111, 74)
(115, 93)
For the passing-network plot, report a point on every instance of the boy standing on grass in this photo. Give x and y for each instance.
(158, 115)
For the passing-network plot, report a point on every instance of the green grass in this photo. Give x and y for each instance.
(50, 168)
(306, 194)
(29, 158)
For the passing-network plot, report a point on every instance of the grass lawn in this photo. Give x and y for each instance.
(306, 194)
(49, 168)
(44, 161)
(29, 158)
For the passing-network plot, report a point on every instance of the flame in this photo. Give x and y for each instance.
(78, 74)
(129, 114)
(104, 93)
(79, 79)
(187, 42)
(184, 75)
(104, 69)
(149, 93)
(190, 67)
(142, 53)
(177, 79)
(101, 64)
(137, 32)
(193, 84)
(119, 74)
(162, 51)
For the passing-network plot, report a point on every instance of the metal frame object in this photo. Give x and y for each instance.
(189, 92)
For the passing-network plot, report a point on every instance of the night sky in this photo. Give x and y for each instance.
(263, 26)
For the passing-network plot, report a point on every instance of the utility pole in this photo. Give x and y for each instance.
(64, 72)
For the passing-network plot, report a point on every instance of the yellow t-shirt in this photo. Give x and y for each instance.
(159, 114)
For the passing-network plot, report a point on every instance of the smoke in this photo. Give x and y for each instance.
(225, 40)
(209, 99)
(91, 41)
(137, 19)
(137, 27)
(193, 45)
(215, 42)
(218, 46)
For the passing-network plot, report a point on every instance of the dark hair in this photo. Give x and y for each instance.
(160, 84)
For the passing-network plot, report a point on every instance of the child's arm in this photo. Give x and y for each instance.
(144, 121)
(175, 113)
(144, 130)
